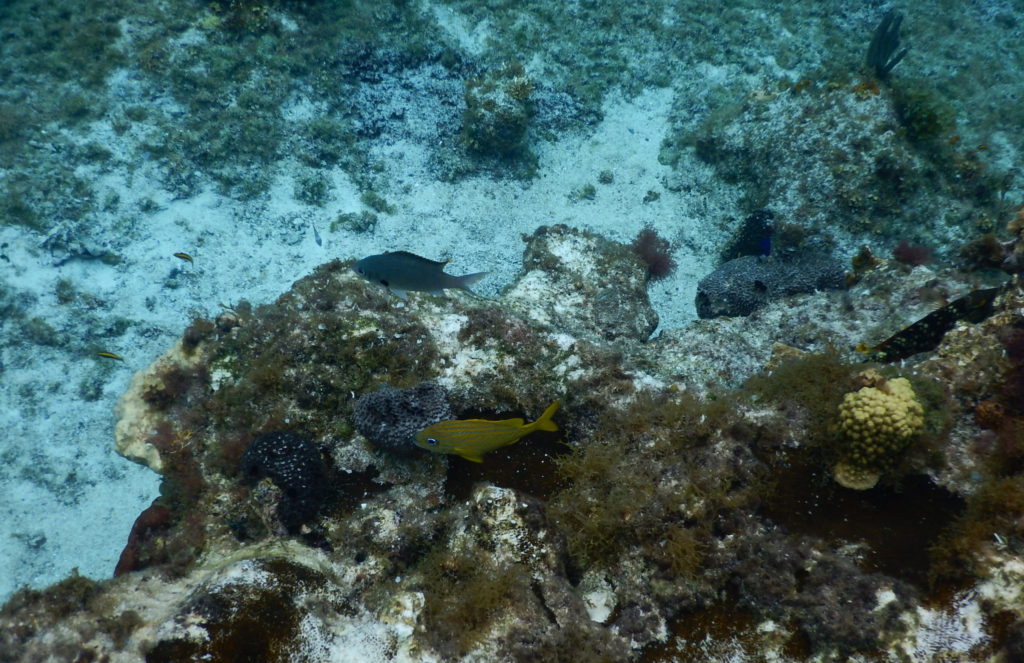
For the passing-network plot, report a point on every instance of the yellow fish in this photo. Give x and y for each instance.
(472, 438)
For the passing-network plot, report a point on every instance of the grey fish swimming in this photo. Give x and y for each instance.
(401, 271)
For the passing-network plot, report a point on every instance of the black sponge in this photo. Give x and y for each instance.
(390, 418)
(294, 464)
(743, 285)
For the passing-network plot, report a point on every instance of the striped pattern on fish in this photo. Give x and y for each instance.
(472, 438)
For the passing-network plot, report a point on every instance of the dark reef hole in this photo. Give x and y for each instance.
(351, 487)
(527, 466)
(899, 524)
(691, 633)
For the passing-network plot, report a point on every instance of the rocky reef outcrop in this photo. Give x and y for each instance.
(692, 476)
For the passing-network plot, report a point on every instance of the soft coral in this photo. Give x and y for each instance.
(655, 252)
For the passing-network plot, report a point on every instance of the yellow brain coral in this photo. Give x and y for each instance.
(877, 421)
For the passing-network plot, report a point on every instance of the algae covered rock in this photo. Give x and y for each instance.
(287, 523)
(841, 156)
(582, 282)
(138, 410)
(498, 112)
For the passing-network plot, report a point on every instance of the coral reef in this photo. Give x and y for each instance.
(689, 496)
(675, 489)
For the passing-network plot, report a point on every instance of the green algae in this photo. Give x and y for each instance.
(467, 592)
(622, 483)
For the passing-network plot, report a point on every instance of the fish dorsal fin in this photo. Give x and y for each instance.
(420, 259)
(510, 423)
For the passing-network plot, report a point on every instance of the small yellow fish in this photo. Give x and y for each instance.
(472, 438)
(110, 355)
(184, 256)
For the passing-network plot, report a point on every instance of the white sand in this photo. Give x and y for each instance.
(68, 501)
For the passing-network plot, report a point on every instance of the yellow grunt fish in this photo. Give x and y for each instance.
(472, 438)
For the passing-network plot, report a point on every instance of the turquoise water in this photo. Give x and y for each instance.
(265, 138)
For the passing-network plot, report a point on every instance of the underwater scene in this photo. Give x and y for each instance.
(486, 331)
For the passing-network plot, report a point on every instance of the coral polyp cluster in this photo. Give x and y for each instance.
(877, 422)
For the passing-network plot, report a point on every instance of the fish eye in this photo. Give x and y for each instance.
(359, 270)
(432, 441)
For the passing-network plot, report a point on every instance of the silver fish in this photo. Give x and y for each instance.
(401, 271)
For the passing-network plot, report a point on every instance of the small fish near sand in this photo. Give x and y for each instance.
(472, 438)
(401, 272)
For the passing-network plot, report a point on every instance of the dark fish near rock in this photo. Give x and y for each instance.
(927, 333)
(401, 271)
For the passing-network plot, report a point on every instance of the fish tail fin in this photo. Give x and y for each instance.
(469, 279)
(544, 422)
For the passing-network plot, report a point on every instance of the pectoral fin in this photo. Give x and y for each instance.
(476, 458)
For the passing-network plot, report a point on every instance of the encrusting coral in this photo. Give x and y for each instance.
(878, 421)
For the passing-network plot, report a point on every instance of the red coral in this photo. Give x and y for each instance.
(152, 520)
(911, 254)
(656, 253)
